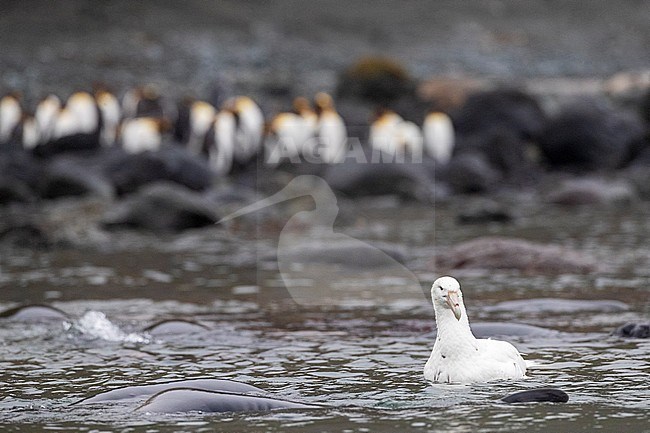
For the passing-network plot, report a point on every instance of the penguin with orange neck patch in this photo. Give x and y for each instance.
(395, 138)
(144, 101)
(220, 142)
(193, 121)
(292, 134)
(11, 114)
(142, 134)
(249, 131)
(110, 112)
(331, 130)
(75, 127)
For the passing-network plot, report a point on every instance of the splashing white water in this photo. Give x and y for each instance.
(94, 324)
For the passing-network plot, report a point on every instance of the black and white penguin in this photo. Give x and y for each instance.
(193, 122)
(11, 113)
(111, 113)
(249, 129)
(144, 101)
(439, 137)
(46, 112)
(220, 142)
(141, 134)
(28, 133)
(292, 134)
(331, 130)
(75, 127)
(392, 135)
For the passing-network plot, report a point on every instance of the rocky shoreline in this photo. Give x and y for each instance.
(593, 150)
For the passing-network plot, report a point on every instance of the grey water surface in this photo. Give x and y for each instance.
(362, 359)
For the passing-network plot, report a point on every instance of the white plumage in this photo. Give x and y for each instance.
(408, 138)
(140, 134)
(250, 127)
(31, 133)
(46, 114)
(457, 355)
(383, 132)
(10, 114)
(111, 113)
(439, 137)
(202, 116)
(289, 133)
(221, 154)
(331, 130)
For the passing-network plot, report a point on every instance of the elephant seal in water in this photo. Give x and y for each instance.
(34, 313)
(144, 391)
(633, 330)
(219, 395)
(537, 395)
(175, 327)
(198, 400)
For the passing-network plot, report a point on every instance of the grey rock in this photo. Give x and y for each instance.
(518, 254)
(162, 207)
(592, 191)
(558, 306)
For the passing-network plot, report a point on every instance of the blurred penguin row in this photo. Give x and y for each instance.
(232, 136)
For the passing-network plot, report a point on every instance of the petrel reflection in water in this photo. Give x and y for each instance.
(321, 267)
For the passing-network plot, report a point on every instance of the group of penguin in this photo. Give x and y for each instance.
(231, 137)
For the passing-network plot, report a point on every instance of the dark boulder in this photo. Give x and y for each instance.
(471, 172)
(407, 180)
(69, 176)
(484, 211)
(71, 143)
(375, 79)
(14, 190)
(21, 166)
(501, 109)
(162, 207)
(185, 169)
(129, 172)
(590, 137)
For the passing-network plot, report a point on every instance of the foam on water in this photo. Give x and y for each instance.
(95, 325)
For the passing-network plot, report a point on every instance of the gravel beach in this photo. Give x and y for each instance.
(278, 49)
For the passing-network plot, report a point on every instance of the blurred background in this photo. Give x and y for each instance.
(285, 47)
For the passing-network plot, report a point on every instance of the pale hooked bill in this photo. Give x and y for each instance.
(458, 356)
